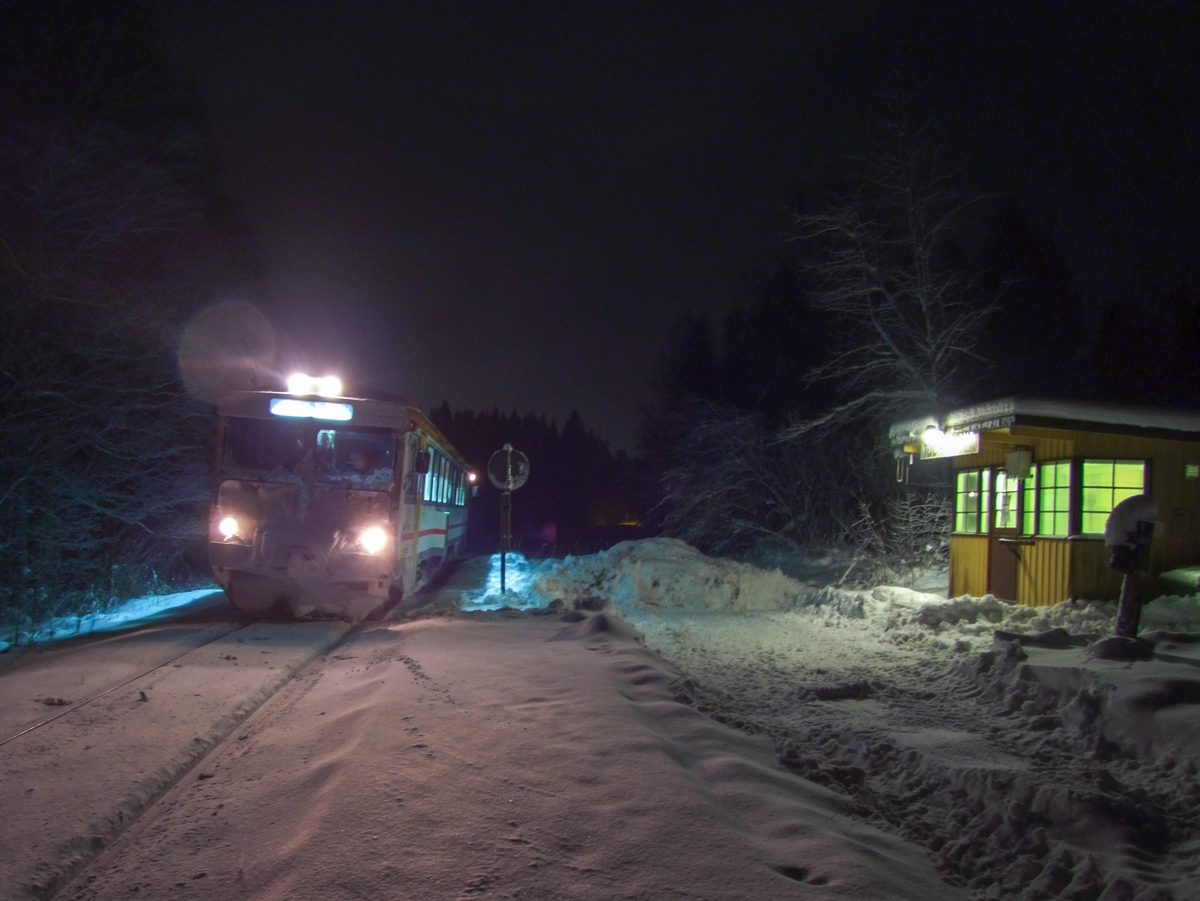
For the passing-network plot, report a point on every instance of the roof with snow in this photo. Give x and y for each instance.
(1055, 414)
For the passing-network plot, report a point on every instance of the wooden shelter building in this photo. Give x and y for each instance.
(1035, 480)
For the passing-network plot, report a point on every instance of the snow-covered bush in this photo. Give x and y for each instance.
(901, 539)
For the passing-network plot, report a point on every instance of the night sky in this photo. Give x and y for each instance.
(509, 204)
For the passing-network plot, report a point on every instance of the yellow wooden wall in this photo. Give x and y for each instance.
(968, 565)
(1044, 572)
(1091, 578)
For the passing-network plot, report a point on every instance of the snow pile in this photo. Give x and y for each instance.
(661, 574)
(1031, 771)
(1172, 613)
(141, 609)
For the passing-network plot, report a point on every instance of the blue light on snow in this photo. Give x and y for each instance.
(126, 615)
(518, 582)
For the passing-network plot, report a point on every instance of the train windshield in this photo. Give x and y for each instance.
(356, 456)
(282, 451)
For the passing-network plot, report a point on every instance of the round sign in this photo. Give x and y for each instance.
(508, 469)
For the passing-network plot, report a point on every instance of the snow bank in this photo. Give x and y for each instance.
(1032, 771)
(659, 575)
(131, 611)
(664, 574)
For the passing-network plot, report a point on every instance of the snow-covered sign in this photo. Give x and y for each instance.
(936, 443)
(508, 468)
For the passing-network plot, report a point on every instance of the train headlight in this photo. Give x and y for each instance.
(373, 540)
(303, 385)
(228, 527)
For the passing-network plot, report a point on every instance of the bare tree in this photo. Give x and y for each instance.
(887, 272)
(901, 539)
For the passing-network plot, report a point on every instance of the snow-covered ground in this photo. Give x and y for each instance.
(480, 752)
(1027, 769)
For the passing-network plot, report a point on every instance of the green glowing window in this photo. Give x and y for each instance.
(971, 508)
(1054, 498)
(1006, 500)
(1105, 484)
(1029, 490)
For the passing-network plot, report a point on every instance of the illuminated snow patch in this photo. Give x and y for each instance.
(518, 583)
(129, 613)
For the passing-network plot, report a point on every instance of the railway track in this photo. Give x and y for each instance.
(74, 706)
(72, 782)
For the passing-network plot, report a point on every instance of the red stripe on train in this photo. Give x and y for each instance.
(407, 536)
(454, 526)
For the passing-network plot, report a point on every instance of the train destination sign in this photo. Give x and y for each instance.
(311, 409)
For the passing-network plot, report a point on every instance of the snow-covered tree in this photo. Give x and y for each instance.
(111, 233)
(889, 273)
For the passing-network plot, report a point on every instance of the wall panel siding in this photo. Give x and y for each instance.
(968, 565)
(1091, 578)
(1043, 573)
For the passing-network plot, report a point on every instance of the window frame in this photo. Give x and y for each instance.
(1057, 491)
(1016, 492)
(982, 511)
(1112, 488)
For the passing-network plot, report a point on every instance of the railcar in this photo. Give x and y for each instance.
(331, 506)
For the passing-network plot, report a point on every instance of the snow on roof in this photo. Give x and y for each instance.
(997, 414)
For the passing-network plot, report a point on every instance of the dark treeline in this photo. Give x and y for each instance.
(578, 492)
(112, 232)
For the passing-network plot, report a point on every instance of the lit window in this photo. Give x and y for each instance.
(971, 506)
(1028, 511)
(431, 476)
(1006, 500)
(1054, 498)
(1105, 484)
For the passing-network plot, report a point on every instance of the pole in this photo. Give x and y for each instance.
(505, 533)
(1129, 611)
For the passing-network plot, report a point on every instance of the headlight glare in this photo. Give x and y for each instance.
(228, 527)
(373, 540)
